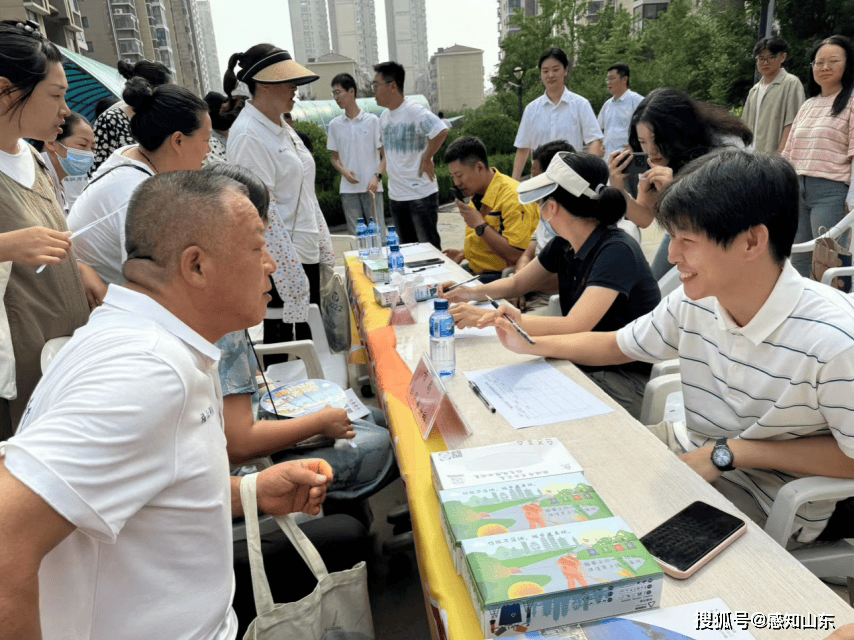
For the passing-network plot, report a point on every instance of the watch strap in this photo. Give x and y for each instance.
(481, 228)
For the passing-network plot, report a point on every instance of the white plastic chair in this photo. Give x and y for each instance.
(663, 401)
(340, 244)
(317, 361)
(834, 232)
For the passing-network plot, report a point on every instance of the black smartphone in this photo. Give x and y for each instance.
(458, 194)
(695, 535)
(639, 164)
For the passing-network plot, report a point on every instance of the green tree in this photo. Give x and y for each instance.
(556, 26)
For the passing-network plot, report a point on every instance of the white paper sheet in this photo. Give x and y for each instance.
(534, 394)
(355, 408)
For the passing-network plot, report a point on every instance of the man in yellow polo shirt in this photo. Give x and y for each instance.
(498, 227)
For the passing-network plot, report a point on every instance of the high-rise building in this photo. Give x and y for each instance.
(327, 67)
(506, 8)
(456, 78)
(310, 29)
(167, 31)
(59, 20)
(406, 21)
(209, 42)
(353, 27)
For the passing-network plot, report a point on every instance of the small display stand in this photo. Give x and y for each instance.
(433, 407)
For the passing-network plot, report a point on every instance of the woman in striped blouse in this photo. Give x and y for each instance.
(821, 143)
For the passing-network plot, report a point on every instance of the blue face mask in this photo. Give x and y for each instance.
(550, 232)
(76, 162)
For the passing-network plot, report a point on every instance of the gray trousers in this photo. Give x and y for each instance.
(358, 205)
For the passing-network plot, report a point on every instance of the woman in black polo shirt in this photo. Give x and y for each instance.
(601, 273)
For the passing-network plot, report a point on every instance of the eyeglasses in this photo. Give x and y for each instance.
(376, 84)
(767, 58)
(833, 62)
(335, 94)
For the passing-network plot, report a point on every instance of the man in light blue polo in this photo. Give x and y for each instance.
(616, 113)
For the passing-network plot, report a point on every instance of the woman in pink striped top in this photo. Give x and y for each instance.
(821, 143)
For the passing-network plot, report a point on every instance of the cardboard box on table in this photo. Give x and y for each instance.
(561, 575)
(517, 505)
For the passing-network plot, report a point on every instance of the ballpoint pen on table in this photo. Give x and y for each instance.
(82, 229)
(459, 284)
(480, 395)
(512, 321)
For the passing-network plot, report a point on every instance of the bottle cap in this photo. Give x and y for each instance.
(391, 228)
(440, 304)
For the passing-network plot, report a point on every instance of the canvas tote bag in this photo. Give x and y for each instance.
(337, 609)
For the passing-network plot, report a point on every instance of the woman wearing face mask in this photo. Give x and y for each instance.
(69, 158)
(672, 129)
(600, 272)
(173, 128)
(259, 140)
(37, 306)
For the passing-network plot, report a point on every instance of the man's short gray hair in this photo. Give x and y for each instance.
(172, 211)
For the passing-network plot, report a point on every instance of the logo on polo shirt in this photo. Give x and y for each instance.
(207, 414)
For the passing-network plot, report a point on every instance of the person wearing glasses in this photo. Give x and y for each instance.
(411, 135)
(357, 154)
(821, 144)
(773, 102)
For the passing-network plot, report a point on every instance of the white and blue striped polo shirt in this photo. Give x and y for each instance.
(787, 374)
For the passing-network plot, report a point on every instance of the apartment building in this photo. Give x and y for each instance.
(456, 78)
(406, 21)
(59, 20)
(310, 29)
(353, 31)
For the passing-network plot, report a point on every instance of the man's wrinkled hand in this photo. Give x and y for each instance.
(292, 487)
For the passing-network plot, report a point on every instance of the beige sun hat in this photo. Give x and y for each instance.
(278, 68)
(559, 174)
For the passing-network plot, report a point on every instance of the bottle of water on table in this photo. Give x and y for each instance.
(395, 260)
(362, 237)
(391, 238)
(442, 352)
(374, 237)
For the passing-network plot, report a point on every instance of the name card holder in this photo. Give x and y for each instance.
(433, 407)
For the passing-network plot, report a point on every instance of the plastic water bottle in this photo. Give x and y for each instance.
(442, 352)
(362, 236)
(395, 260)
(391, 238)
(374, 238)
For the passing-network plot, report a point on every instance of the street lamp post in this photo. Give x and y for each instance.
(518, 72)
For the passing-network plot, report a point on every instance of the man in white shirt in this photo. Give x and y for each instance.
(115, 495)
(766, 356)
(558, 114)
(411, 136)
(357, 154)
(616, 114)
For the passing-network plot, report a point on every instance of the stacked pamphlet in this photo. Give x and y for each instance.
(572, 573)
(707, 620)
(509, 461)
(517, 505)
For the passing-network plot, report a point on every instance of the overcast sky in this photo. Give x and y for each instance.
(239, 24)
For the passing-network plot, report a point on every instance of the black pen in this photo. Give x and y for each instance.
(477, 392)
(513, 322)
(459, 284)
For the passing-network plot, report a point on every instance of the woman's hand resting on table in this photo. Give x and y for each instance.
(460, 294)
(466, 315)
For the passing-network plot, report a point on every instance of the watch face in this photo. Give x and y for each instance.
(721, 457)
